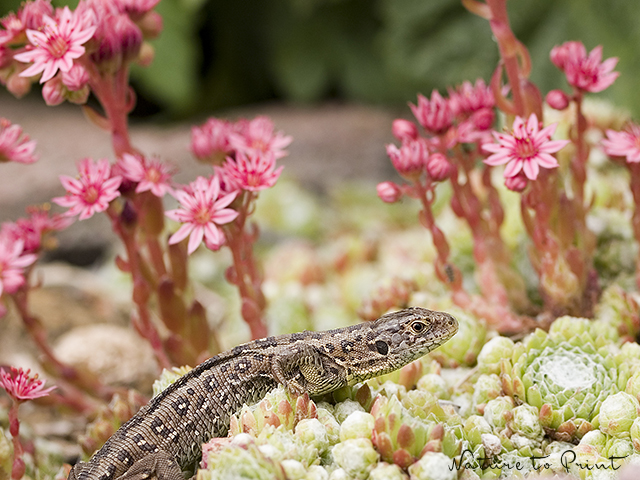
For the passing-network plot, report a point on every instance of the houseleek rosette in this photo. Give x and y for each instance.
(566, 373)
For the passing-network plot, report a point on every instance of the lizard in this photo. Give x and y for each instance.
(166, 434)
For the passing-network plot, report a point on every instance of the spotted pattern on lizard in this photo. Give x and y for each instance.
(166, 434)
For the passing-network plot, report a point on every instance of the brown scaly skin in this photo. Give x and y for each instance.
(166, 434)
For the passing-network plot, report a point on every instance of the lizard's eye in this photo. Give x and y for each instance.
(418, 327)
(382, 347)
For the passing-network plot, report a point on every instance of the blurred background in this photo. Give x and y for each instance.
(217, 54)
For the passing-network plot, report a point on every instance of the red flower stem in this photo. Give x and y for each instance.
(446, 272)
(17, 466)
(137, 269)
(508, 46)
(112, 92)
(634, 170)
(247, 276)
(156, 254)
(578, 163)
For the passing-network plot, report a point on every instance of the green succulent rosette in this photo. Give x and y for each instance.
(464, 347)
(242, 458)
(277, 408)
(405, 430)
(618, 309)
(566, 373)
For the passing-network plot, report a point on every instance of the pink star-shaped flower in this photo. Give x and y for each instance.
(150, 174)
(202, 210)
(56, 46)
(624, 144)
(254, 171)
(12, 264)
(14, 147)
(435, 115)
(92, 192)
(257, 136)
(527, 148)
(585, 72)
(20, 385)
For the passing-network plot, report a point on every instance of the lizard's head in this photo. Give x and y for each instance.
(398, 338)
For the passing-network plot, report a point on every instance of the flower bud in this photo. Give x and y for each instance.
(404, 129)
(483, 118)
(151, 25)
(557, 99)
(18, 86)
(389, 192)
(129, 37)
(76, 78)
(517, 183)
(53, 91)
(438, 167)
(146, 55)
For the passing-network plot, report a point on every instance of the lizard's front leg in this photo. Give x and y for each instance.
(160, 465)
(304, 368)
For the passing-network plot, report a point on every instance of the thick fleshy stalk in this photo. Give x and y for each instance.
(245, 272)
(634, 170)
(17, 465)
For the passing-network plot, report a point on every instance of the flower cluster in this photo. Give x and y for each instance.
(66, 50)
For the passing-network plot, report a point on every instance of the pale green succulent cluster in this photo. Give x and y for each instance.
(553, 403)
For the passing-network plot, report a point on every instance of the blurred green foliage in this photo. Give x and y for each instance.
(219, 53)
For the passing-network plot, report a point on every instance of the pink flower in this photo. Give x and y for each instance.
(624, 144)
(517, 183)
(257, 136)
(389, 192)
(31, 230)
(12, 264)
(527, 148)
(211, 140)
(20, 385)
(468, 98)
(14, 147)
(56, 46)
(92, 192)
(201, 212)
(150, 174)
(409, 160)
(31, 13)
(434, 115)
(438, 167)
(588, 73)
(76, 78)
(254, 171)
(557, 99)
(404, 129)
